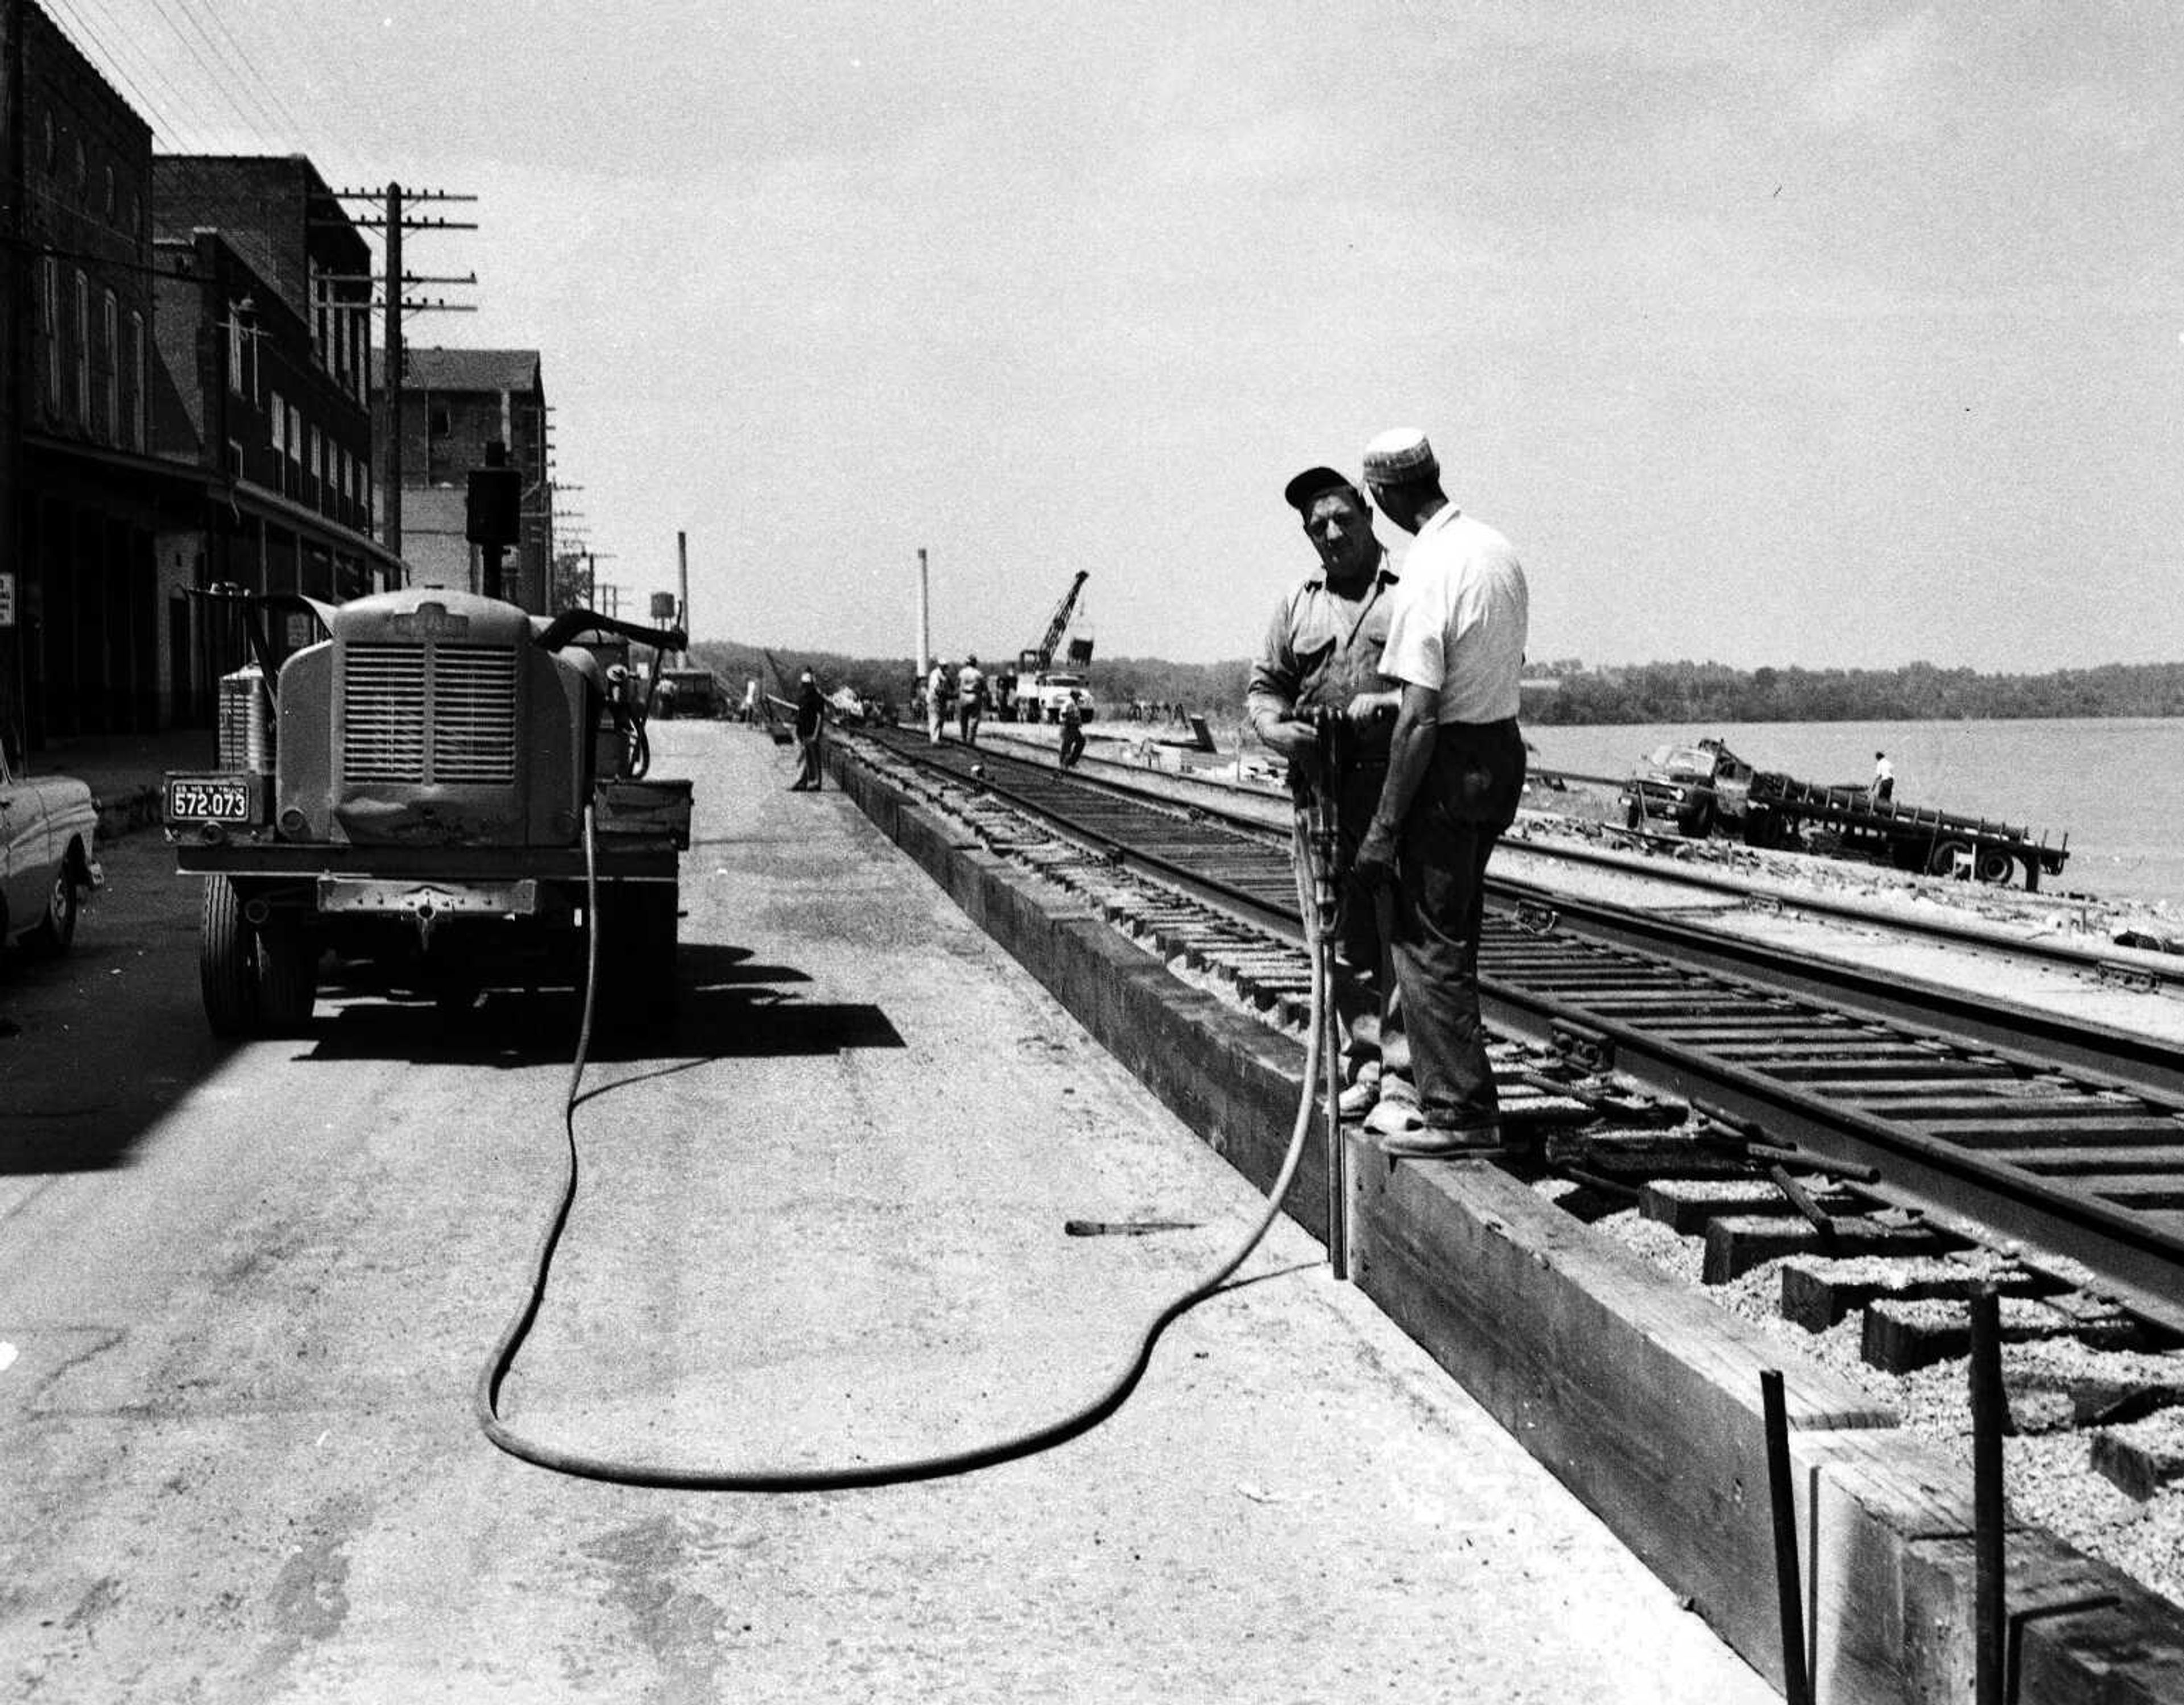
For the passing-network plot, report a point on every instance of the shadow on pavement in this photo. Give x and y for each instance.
(727, 1008)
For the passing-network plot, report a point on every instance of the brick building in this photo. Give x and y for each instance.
(81, 653)
(263, 337)
(454, 402)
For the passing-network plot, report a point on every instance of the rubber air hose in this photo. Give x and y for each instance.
(760, 1478)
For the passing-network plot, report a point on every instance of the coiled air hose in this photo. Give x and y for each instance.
(762, 1478)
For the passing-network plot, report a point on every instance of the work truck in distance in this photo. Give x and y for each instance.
(428, 784)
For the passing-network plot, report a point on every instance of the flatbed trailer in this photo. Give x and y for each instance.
(1779, 808)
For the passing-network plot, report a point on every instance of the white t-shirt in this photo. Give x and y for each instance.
(968, 680)
(1461, 616)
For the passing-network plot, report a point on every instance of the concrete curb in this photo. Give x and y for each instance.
(1641, 1396)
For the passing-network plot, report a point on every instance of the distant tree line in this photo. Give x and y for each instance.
(1680, 692)
(1915, 692)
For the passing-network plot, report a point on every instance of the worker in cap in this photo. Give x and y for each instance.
(1320, 654)
(1456, 769)
(970, 699)
(810, 727)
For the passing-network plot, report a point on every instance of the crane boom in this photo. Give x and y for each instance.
(1043, 655)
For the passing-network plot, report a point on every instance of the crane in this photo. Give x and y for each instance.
(1030, 661)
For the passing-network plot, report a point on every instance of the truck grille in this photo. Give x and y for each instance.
(473, 714)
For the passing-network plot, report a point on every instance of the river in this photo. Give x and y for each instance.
(2115, 785)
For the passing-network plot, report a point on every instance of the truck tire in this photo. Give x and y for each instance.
(227, 961)
(50, 936)
(1994, 866)
(1699, 825)
(287, 977)
(1634, 815)
(1942, 861)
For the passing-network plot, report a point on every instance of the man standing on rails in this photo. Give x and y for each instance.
(1322, 652)
(1455, 770)
(936, 701)
(810, 722)
(969, 700)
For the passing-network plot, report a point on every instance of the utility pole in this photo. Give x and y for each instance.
(395, 222)
(592, 587)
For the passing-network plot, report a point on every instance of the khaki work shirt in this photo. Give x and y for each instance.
(1319, 651)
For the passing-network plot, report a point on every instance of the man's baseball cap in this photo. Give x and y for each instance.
(1299, 491)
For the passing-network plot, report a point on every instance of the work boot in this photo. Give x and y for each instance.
(1363, 1091)
(1428, 1143)
(1392, 1116)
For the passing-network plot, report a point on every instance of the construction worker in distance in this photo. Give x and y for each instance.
(1073, 731)
(969, 700)
(936, 701)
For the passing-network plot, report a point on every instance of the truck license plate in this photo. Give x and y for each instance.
(218, 800)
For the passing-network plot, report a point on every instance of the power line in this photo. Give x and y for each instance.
(118, 69)
(272, 94)
(229, 86)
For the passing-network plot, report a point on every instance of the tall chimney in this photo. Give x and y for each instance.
(924, 660)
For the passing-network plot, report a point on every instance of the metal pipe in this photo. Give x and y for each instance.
(1797, 1683)
(1990, 1415)
(1338, 1156)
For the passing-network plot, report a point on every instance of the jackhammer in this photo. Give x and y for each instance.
(1325, 858)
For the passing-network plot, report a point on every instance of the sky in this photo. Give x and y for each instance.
(1833, 335)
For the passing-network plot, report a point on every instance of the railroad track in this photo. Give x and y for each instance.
(2069, 1137)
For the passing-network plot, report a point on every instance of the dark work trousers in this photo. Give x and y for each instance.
(808, 774)
(1367, 998)
(1469, 796)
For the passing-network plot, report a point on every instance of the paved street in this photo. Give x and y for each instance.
(247, 1293)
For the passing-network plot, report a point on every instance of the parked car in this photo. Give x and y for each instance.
(1696, 786)
(48, 856)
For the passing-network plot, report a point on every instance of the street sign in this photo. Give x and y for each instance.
(663, 606)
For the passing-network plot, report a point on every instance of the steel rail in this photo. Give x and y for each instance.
(1960, 1112)
(2108, 1054)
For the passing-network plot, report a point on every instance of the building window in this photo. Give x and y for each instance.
(49, 329)
(237, 337)
(140, 402)
(279, 412)
(109, 358)
(437, 425)
(83, 350)
(53, 144)
(109, 195)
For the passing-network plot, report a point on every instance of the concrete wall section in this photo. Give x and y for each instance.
(1639, 1394)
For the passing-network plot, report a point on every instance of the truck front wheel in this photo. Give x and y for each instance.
(227, 961)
